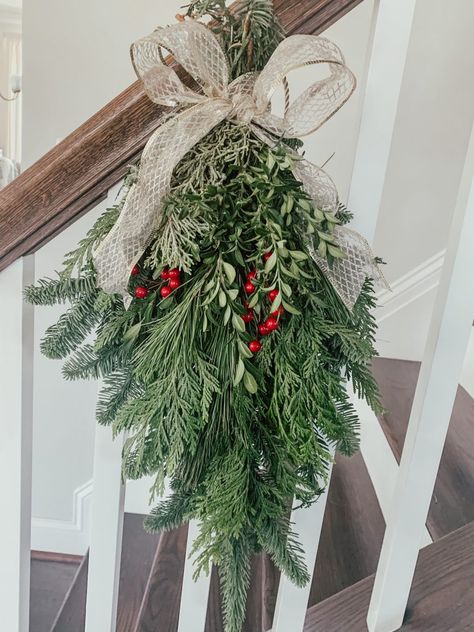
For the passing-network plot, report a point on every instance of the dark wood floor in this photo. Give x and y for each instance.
(441, 599)
(50, 582)
(453, 499)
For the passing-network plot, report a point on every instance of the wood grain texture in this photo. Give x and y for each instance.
(261, 598)
(452, 505)
(352, 533)
(440, 601)
(159, 610)
(138, 550)
(72, 614)
(50, 582)
(77, 173)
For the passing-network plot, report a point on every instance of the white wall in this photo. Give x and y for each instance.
(430, 141)
(76, 59)
(432, 130)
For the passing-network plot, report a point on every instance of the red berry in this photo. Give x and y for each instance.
(266, 256)
(135, 270)
(251, 275)
(174, 273)
(165, 291)
(249, 287)
(174, 284)
(165, 275)
(255, 346)
(271, 323)
(273, 294)
(263, 330)
(248, 317)
(141, 291)
(278, 312)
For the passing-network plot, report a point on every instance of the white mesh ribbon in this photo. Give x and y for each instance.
(245, 100)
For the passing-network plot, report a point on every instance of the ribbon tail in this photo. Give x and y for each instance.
(142, 211)
(317, 184)
(348, 275)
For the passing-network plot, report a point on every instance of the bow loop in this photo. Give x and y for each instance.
(246, 100)
(321, 100)
(192, 45)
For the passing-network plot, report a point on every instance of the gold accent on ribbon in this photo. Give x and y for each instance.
(246, 100)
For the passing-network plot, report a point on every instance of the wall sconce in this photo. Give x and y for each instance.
(15, 86)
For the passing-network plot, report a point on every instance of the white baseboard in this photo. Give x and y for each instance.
(410, 287)
(66, 536)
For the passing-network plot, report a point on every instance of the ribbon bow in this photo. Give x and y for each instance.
(246, 100)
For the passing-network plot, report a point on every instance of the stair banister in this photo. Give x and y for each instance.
(107, 514)
(16, 412)
(390, 36)
(448, 338)
(78, 172)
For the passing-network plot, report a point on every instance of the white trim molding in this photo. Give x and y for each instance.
(410, 287)
(66, 536)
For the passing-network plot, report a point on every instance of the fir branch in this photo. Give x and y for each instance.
(118, 388)
(71, 329)
(170, 513)
(61, 290)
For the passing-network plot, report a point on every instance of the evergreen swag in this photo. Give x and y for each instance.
(238, 431)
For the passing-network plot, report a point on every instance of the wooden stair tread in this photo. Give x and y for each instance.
(440, 601)
(49, 584)
(138, 549)
(352, 532)
(137, 555)
(71, 616)
(452, 505)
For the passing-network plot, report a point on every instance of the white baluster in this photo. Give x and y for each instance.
(106, 533)
(16, 413)
(391, 28)
(379, 459)
(292, 602)
(448, 338)
(194, 595)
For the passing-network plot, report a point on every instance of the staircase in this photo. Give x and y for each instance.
(74, 177)
(442, 593)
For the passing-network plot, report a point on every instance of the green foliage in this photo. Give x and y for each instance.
(249, 34)
(237, 435)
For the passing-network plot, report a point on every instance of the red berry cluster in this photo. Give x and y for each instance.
(272, 322)
(173, 277)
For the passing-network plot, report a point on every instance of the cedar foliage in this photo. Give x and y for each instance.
(238, 435)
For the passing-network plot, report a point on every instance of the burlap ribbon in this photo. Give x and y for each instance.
(246, 100)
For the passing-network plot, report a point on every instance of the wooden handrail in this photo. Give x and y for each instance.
(77, 173)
